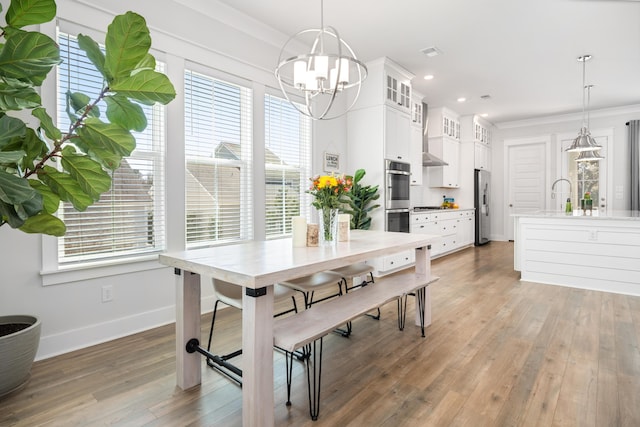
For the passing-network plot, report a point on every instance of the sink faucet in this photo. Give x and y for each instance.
(553, 187)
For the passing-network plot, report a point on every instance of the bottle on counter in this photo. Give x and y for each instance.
(567, 208)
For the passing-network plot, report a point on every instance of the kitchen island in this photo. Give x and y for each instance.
(599, 251)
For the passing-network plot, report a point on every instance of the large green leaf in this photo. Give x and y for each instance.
(65, 186)
(10, 129)
(44, 224)
(28, 56)
(94, 53)
(147, 86)
(11, 157)
(16, 95)
(80, 102)
(127, 43)
(125, 113)
(46, 123)
(104, 140)
(33, 147)
(50, 200)
(147, 63)
(92, 178)
(30, 12)
(14, 190)
(8, 213)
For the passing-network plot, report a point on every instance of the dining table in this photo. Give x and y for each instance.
(257, 265)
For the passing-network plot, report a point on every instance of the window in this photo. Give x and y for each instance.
(218, 134)
(128, 220)
(287, 165)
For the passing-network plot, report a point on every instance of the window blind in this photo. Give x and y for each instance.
(287, 165)
(218, 137)
(128, 220)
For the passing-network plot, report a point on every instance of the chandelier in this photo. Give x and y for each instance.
(584, 143)
(322, 76)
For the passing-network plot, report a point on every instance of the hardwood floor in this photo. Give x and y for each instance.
(500, 352)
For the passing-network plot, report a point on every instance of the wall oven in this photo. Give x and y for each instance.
(398, 183)
(398, 177)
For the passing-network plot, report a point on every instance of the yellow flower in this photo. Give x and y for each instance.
(327, 181)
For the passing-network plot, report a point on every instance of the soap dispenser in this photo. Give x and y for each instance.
(567, 208)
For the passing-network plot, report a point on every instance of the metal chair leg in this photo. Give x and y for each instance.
(289, 367)
(402, 311)
(314, 374)
(420, 299)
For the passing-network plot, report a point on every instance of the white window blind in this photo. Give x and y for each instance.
(218, 137)
(287, 165)
(128, 220)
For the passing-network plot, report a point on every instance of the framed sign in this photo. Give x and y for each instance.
(331, 162)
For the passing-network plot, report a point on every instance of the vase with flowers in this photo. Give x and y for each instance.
(328, 191)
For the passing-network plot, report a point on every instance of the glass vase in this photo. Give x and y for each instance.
(328, 226)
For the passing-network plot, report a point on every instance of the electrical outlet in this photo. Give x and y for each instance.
(107, 293)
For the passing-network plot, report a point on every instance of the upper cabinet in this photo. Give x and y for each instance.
(388, 84)
(444, 122)
(398, 93)
(396, 135)
(415, 139)
(478, 131)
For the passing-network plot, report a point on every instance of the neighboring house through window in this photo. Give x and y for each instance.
(218, 138)
(287, 165)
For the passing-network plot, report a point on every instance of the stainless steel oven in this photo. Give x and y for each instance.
(397, 220)
(398, 180)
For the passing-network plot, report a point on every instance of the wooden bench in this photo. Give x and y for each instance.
(306, 329)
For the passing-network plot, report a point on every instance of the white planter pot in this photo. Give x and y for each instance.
(17, 352)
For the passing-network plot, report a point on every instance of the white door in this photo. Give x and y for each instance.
(588, 176)
(526, 178)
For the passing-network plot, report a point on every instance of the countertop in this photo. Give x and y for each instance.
(577, 214)
(441, 210)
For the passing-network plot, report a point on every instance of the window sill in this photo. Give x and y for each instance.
(97, 270)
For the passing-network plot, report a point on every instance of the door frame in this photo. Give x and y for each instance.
(608, 158)
(545, 140)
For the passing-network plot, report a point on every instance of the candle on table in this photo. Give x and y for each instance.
(299, 231)
(344, 224)
(312, 234)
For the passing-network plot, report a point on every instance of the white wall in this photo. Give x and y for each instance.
(617, 156)
(72, 313)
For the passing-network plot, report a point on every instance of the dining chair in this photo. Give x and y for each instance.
(231, 295)
(361, 271)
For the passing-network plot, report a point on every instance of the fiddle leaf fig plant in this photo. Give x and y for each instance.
(42, 165)
(359, 200)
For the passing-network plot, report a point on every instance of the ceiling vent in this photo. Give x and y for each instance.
(485, 97)
(431, 51)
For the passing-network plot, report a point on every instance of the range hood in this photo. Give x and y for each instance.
(428, 159)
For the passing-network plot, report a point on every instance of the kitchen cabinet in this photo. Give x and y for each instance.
(481, 156)
(444, 122)
(396, 134)
(378, 128)
(415, 139)
(398, 91)
(455, 227)
(448, 149)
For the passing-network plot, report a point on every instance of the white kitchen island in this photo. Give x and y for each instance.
(599, 252)
(257, 266)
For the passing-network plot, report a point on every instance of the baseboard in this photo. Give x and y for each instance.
(75, 339)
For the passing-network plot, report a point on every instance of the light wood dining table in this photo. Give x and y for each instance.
(257, 266)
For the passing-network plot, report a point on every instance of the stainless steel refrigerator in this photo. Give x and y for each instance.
(482, 197)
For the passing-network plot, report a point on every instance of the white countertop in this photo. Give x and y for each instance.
(442, 210)
(578, 214)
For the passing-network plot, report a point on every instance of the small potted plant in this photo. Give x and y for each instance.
(586, 203)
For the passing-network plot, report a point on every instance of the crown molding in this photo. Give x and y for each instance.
(594, 114)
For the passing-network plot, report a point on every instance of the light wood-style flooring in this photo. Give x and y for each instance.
(500, 352)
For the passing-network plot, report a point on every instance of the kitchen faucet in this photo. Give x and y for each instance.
(553, 187)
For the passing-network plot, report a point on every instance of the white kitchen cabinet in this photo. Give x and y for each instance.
(481, 156)
(444, 122)
(396, 134)
(448, 149)
(415, 154)
(398, 91)
(455, 228)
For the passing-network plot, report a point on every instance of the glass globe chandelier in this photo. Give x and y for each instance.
(328, 78)
(584, 142)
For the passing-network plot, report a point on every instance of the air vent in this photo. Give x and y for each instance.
(485, 97)
(431, 51)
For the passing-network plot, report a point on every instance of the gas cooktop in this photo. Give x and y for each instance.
(428, 208)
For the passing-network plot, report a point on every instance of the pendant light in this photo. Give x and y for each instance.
(328, 78)
(584, 141)
(591, 155)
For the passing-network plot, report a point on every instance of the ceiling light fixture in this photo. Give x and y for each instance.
(462, 99)
(429, 77)
(322, 75)
(584, 141)
(590, 155)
